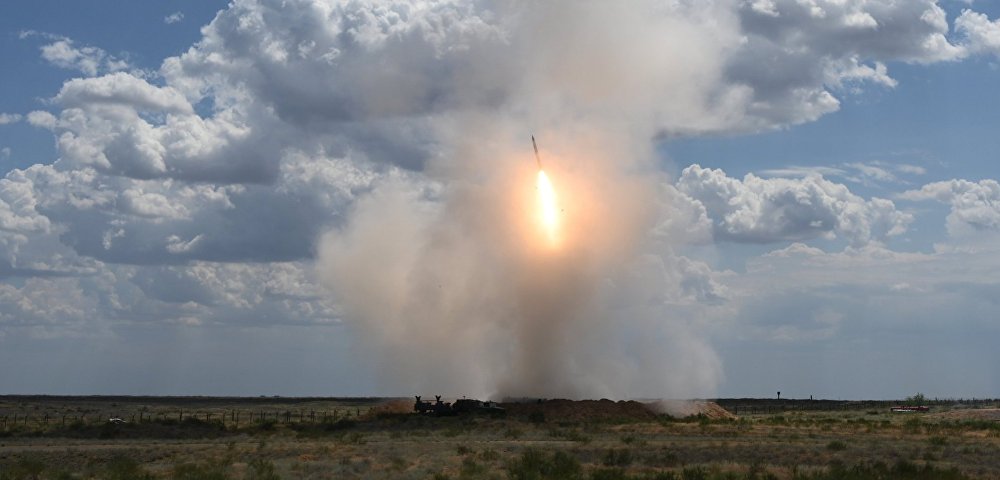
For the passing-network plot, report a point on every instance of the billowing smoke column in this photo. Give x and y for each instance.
(458, 280)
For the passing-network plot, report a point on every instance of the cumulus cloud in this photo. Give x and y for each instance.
(122, 89)
(18, 205)
(975, 206)
(759, 210)
(835, 44)
(47, 307)
(826, 281)
(89, 60)
(981, 34)
(8, 118)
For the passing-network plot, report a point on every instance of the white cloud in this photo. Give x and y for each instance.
(797, 171)
(122, 89)
(865, 173)
(764, 7)
(48, 308)
(173, 18)
(981, 34)
(975, 206)
(19, 205)
(151, 205)
(42, 119)
(681, 219)
(850, 70)
(176, 245)
(88, 60)
(8, 118)
(761, 210)
(910, 169)
(835, 43)
(873, 171)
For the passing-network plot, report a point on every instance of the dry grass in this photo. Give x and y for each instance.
(384, 444)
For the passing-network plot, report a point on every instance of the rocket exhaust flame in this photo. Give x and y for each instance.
(549, 212)
(547, 205)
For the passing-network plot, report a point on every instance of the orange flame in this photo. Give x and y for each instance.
(548, 208)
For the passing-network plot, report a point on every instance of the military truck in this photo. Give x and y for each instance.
(461, 406)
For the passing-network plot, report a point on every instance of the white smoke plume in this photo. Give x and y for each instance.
(447, 274)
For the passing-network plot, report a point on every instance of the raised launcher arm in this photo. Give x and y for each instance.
(420, 406)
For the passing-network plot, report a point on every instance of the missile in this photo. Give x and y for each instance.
(538, 159)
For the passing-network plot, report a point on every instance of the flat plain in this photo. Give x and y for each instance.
(331, 438)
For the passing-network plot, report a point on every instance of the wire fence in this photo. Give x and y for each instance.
(231, 418)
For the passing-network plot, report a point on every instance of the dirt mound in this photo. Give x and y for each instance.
(989, 414)
(579, 410)
(607, 410)
(691, 408)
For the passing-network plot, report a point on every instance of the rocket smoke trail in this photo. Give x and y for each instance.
(443, 274)
(538, 159)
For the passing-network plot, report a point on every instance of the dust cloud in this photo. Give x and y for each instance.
(445, 275)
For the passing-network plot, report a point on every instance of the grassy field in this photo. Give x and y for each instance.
(271, 438)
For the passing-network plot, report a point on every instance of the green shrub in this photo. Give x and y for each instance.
(124, 468)
(354, 438)
(533, 464)
(609, 474)
(24, 469)
(572, 435)
(190, 471)
(695, 473)
(471, 469)
(536, 417)
(262, 469)
(489, 455)
(836, 446)
(938, 441)
(902, 470)
(617, 458)
(666, 476)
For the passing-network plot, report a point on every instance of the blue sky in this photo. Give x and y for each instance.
(782, 198)
(136, 31)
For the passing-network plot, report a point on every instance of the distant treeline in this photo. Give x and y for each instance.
(771, 405)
